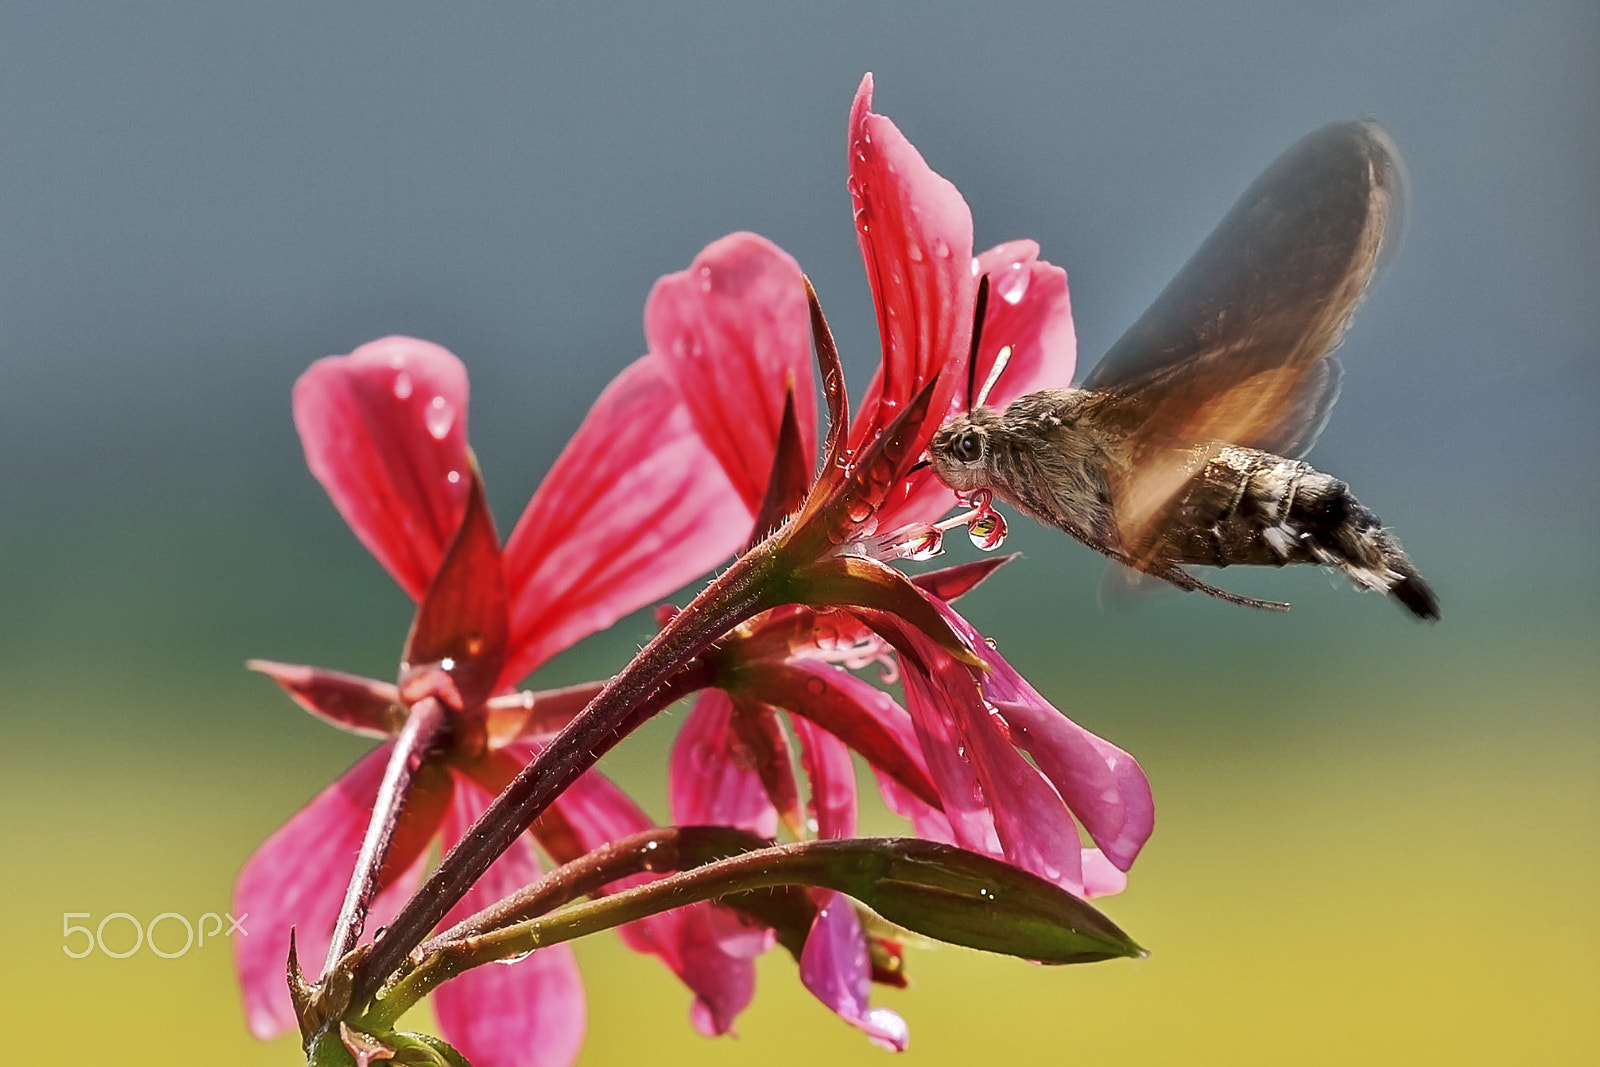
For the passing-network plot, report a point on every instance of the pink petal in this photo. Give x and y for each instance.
(1102, 784)
(297, 879)
(1029, 312)
(633, 508)
(916, 237)
(385, 432)
(826, 761)
(350, 702)
(834, 967)
(526, 1013)
(985, 780)
(709, 779)
(926, 821)
(732, 331)
(1101, 878)
(859, 714)
(929, 698)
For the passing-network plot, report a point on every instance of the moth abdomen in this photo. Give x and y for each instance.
(1245, 506)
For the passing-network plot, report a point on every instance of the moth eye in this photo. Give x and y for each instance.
(969, 446)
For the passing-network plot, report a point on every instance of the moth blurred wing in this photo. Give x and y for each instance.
(1236, 348)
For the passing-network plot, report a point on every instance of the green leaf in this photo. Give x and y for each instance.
(939, 891)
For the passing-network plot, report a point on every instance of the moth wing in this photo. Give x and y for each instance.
(1235, 350)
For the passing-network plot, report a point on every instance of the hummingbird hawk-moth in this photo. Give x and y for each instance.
(1182, 446)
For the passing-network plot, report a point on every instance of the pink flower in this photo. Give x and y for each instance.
(634, 507)
(952, 759)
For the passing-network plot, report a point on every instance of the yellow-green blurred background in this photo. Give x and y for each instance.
(1376, 841)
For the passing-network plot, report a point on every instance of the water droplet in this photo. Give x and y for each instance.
(927, 546)
(915, 252)
(509, 960)
(940, 248)
(816, 686)
(881, 472)
(705, 279)
(453, 477)
(402, 386)
(858, 511)
(988, 531)
(1015, 284)
(439, 417)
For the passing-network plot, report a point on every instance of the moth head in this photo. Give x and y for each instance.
(960, 451)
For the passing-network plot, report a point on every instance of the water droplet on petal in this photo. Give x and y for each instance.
(927, 546)
(439, 417)
(988, 531)
(1015, 284)
(705, 279)
(453, 477)
(402, 386)
(940, 248)
(816, 686)
(915, 252)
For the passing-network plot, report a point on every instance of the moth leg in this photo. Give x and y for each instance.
(1186, 581)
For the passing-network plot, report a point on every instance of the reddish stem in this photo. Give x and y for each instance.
(740, 593)
(424, 727)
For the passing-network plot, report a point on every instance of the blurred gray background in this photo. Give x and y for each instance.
(198, 201)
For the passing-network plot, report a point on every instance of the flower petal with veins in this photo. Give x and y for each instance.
(634, 507)
(385, 432)
(731, 331)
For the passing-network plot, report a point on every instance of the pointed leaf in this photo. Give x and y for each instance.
(461, 624)
(939, 891)
(833, 389)
(789, 480)
(360, 705)
(952, 583)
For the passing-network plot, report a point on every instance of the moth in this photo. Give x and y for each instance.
(1183, 446)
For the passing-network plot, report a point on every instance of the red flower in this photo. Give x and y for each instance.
(952, 760)
(634, 507)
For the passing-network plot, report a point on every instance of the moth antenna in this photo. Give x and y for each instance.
(980, 307)
(1000, 362)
